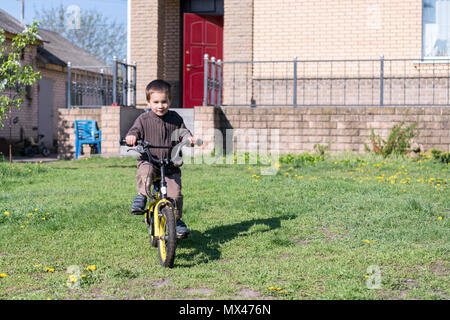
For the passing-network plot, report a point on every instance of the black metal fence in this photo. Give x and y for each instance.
(363, 82)
(94, 86)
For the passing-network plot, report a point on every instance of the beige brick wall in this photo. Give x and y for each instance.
(345, 29)
(114, 122)
(147, 33)
(346, 128)
(66, 131)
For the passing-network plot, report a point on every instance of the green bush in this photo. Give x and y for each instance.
(298, 160)
(440, 155)
(398, 141)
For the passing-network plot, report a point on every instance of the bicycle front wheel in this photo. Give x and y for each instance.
(167, 237)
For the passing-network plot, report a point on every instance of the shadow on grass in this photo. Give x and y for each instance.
(205, 247)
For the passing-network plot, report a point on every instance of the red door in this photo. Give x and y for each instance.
(202, 34)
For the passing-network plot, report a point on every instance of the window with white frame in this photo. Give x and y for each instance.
(436, 28)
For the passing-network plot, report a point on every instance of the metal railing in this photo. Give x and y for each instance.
(94, 86)
(212, 82)
(358, 82)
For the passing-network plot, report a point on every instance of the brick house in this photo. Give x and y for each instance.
(253, 30)
(50, 57)
(341, 100)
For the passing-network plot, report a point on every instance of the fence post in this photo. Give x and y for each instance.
(213, 81)
(134, 83)
(125, 84)
(205, 81)
(114, 80)
(69, 82)
(381, 78)
(219, 78)
(294, 92)
(102, 95)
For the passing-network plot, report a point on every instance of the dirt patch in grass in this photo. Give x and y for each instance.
(161, 283)
(249, 294)
(300, 241)
(439, 269)
(330, 235)
(199, 291)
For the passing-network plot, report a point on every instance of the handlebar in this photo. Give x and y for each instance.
(143, 147)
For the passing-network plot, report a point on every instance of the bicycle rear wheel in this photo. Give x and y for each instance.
(167, 237)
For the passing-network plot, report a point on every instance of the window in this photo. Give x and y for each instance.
(436, 28)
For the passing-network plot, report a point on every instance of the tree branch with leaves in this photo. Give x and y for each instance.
(14, 75)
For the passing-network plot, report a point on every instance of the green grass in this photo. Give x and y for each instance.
(312, 230)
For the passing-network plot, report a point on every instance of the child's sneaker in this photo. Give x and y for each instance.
(138, 206)
(182, 230)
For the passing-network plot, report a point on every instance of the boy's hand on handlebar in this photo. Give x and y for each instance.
(192, 141)
(130, 140)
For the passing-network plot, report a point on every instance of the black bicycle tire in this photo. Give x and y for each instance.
(171, 242)
(45, 152)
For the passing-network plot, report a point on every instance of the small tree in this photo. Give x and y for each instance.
(15, 76)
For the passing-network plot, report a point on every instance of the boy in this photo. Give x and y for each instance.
(160, 127)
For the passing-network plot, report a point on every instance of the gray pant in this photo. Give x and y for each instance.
(146, 173)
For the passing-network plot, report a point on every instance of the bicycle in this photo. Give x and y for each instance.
(160, 213)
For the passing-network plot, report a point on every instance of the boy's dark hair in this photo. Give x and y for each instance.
(158, 86)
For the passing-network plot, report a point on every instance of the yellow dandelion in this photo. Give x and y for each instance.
(22, 226)
(37, 265)
(43, 218)
(91, 268)
(367, 241)
(440, 218)
(35, 209)
(252, 200)
(73, 278)
(6, 213)
(3, 275)
(29, 170)
(83, 276)
(366, 276)
(272, 288)
(49, 269)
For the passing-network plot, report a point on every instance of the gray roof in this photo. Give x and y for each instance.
(55, 48)
(9, 23)
(59, 50)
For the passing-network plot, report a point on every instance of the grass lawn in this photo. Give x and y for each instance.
(350, 227)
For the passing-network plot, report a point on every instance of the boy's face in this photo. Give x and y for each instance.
(159, 103)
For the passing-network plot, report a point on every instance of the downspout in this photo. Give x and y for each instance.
(129, 96)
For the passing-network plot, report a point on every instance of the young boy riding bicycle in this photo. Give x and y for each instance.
(159, 127)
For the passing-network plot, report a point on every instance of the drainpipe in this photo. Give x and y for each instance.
(129, 75)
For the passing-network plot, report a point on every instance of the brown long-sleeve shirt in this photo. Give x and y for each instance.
(167, 130)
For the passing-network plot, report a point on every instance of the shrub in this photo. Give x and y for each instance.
(440, 155)
(398, 141)
(298, 160)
